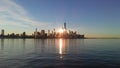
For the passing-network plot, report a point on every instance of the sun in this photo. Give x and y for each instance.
(61, 30)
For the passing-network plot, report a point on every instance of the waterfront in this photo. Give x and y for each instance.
(59, 53)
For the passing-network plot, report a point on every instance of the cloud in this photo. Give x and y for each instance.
(15, 15)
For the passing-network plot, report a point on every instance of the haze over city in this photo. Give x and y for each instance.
(94, 18)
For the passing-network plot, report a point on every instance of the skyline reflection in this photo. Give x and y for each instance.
(42, 46)
(22, 53)
(2, 44)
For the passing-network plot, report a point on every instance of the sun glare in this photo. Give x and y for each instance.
(61, 30)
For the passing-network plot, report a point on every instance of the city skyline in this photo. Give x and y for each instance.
(63, 32)
(94, 18)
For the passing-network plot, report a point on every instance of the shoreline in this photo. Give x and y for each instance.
(59, 38)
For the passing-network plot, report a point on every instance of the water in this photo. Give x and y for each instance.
(59, 53)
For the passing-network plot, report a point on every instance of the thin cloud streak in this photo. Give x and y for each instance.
(13, 14)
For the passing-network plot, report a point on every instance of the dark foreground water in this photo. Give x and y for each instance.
(59, 53)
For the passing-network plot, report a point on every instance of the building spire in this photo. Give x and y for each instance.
(65, 25)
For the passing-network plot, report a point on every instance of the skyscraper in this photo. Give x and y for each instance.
(65, 25)
(35, 33)
(2, 32)
(48, 33)
(42, 32)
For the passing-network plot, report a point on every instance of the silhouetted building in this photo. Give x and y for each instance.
(17, 35)
(54, 31)
(36, 33)
(24, 35)
(48, 33)
(42, 32)
(12, 35)
(64, 33)
(2, 32)
(65, 25)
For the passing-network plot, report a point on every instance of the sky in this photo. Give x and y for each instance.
(94, 18)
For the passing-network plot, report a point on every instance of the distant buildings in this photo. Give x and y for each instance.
(64, 33)
(2, 33)
(48, 33)
(23, 35)
(43, 34)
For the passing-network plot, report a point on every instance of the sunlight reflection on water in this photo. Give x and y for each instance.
(35, 53)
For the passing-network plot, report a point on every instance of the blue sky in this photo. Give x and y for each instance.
(94, 18)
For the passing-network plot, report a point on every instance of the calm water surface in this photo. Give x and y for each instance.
(59, 53)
